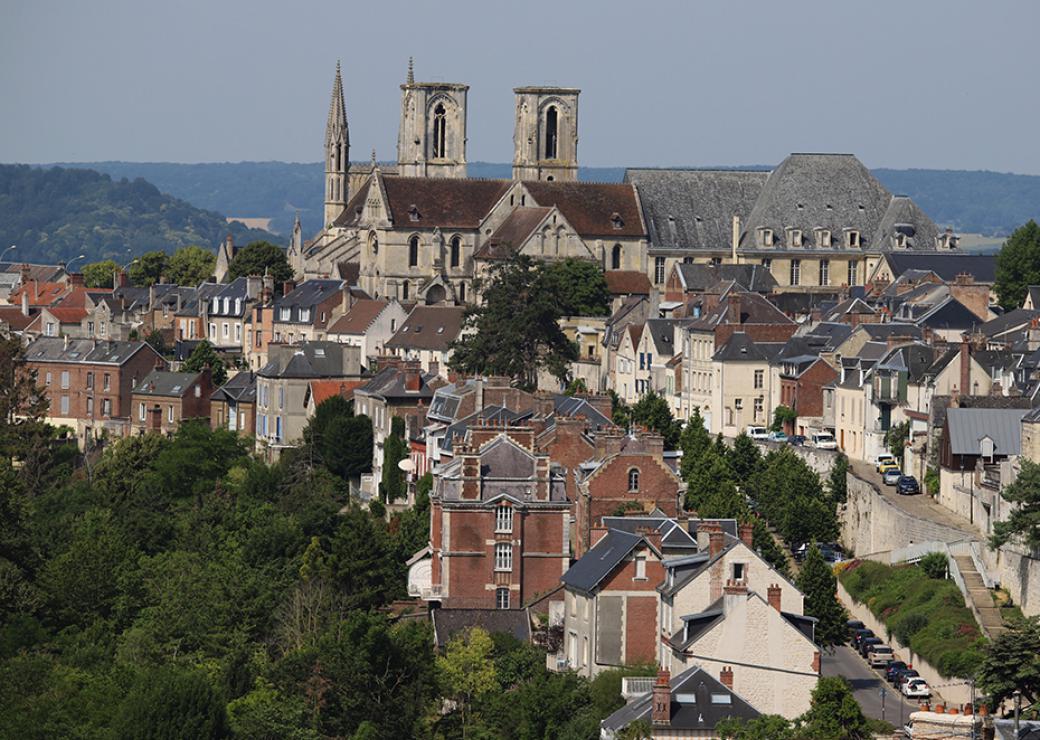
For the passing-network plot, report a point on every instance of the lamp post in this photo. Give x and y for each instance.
(69, 263)
(4, 253)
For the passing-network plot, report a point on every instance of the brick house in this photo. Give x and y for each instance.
(499, 520)
(162, 400)
(89, 383)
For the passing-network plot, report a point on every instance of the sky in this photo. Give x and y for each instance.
(946, 84)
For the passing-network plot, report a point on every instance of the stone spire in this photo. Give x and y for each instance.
(336, 129)
(337, 153)
(411, 71)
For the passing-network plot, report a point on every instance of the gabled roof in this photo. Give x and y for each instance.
(429, 327)
(359, 318)
(662, 334)
(490, 413)
(950, 314)
(389, 383)
(447, 623)
(968, 426)
(673, 536)
(573, 406)
(1009, 321)
(445, 203)
(512, 233)
(594, 209)
(165, 384)
(627, 282)
(87, 351)
(595, 565)
(741, 348)
(321, 390)
(240, 388)
(754, 309)
(313, 359)
(982, 267)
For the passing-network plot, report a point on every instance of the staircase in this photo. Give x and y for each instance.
(991, 622)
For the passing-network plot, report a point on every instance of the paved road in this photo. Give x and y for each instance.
(866, 685)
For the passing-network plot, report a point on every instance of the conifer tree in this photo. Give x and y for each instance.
(817, 582)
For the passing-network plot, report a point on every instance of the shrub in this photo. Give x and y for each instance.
(934, 565)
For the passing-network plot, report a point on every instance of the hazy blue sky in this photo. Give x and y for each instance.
(901, 83)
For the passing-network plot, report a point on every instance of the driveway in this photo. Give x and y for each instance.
(867, 685)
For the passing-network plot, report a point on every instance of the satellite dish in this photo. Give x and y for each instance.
(406, 465)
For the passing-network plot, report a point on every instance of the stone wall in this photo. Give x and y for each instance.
(1017, 572)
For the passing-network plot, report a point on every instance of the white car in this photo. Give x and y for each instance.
(824, 441)
(759, 433)
(916, 688)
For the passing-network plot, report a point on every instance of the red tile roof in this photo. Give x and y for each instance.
(628, 282)
(359, 317)
(513, 232)
(607, 210)
(40, 294)
(14, 318)
(67, 314)
(323, 389)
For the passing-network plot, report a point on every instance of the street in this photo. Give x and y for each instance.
(866, 684)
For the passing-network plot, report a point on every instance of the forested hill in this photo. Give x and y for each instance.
(990, 203)
(56, 214)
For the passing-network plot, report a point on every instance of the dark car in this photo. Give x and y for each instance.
(907, 485)
(853, 625)
(866, 642)
(798, 440)
(891, 668)
(858, 635)
(904, 676)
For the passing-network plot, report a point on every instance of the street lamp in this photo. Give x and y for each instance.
(4, 253)
(69, 263)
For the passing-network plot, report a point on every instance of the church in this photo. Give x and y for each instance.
(423, 231)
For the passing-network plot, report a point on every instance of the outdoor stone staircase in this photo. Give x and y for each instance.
(992, 623)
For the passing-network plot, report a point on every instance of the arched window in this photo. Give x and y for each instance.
(551, 132)
(615, 257)
(439, 129)
(456, 250)
(633, 480)
(373, 241)
(462, 292)
(404, 291)
(413, 252)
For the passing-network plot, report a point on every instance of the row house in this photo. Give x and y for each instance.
(427, 335)
(743, 387)
(163, 400)
(88, 383)
(368, 324)
(800, 375)
(233, 405)
(226, 313)
(643, 358)
(304, 312)
(15, 275)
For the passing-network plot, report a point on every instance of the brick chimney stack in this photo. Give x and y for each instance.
(716, 541)
(965, 367)
(661, 710)
(774, 592)
(412, 377)
(726, 677)
(652, 535)
(747, 533)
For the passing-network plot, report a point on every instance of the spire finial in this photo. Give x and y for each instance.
(337, 123)
(411, 71)
(373, 157)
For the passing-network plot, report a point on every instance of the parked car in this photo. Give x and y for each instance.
(866, 644)
(905, 676)
(824, 441)
(883, 460)
(879, 656)
(891, 476)
(859, 635)
(832, 554)
(897, 676)
(777, 437)
(759, 433)
(907, 485)
(893, 667)
(798, 440)
(916, 688)
(888, 465)
(854, 624)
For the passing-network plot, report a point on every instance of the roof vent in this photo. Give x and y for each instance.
(616, 220)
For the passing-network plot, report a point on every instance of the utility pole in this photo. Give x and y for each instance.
(882, 692)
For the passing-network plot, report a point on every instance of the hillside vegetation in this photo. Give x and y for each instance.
(56, 214)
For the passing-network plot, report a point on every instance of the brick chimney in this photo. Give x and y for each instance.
(716, 541)
(747, 534)
(652, 535)
(596, 534)
(703, 531)
(288, 287)
(965, 360)
(735, 588)
(734, 308)
(661, 711)
(412, 377)
(774, 592)
(726, 677)
(75, 279)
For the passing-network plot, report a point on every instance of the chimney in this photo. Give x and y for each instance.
(965, 359)
(25, 273)
(716, 541)
(747, 534)
(726, 677)
(734, 307)
(267, 291)
(288, 287)
(25, 302)
(703, 531)
(254, 283)
(75, 279)
(774, 593)
(661, 711)
(151, 297)
(65, 344)
(412, 377)
(733, 594)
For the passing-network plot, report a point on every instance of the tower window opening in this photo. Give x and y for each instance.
(439, 130)
(615, 257)
(552, 132)
(413, 252)
(456, 248)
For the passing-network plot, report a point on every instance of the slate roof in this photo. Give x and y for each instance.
(389, 383)
(572, 406)
(359, 317)
(306, 295)
(306, 360)
(904, 218)
(983, 267)
(754, 309)
(447, 623)
(1009, 321)
(627, 282)
(662, 334)
(512, 233)
(741, 348)
(950, 314)
(240, 388)
(967, 426)
(596, 564)
(694, 209)
(162, 383)
(697, 277)
(891, 329)
(699, 701)
(87, 351)
(592, 208)
(755, 278)
(673, 536)
(429, 327)
(493, 413)
(914, 359)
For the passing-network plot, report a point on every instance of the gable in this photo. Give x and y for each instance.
(504, 458)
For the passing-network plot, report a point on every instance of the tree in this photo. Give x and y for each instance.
(266, 713)
(341, 441)
(259, 258)
(204, 356)
(516, 331)
(1018, 265)
(361, 560)
(693, 441)
(579, 286)
(766, 727)
(99, 274)
(395, 449)
(744, 458)
(652, 411)
(149, 268)
(620, 413)
(576, 386)
(156, 341)
(23, 403)
(1012, 663)
(838, 480)
(895, 438)
(168, 703)
(935, 565)
(467, 671)
(190, 266)
(1023, 524)
(783, 416)
(817, 582)
(834, 713)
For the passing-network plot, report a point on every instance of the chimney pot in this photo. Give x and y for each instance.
(716, 541)
(775, 592)
(726, 677)
(661, 710)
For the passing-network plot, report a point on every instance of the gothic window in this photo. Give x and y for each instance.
(439, 130)
(615, 257)
(633, 480)
(456, 249)
(404, 291)
(413, 252)
(374, 241)
(552, 133)
(462, 292)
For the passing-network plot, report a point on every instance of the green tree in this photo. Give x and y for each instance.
(895, 438)
(1012, 663)
(744, 458)
(361, 560)
(516, 331)
(766, 727)
(341, 441)
(23, 403)
(266, 713)
(834, 713)
(620, 413)
(817, 582)
(467, 672)
(1018, 265)
(259, 258)
(652, 411)
(156, 341)
(204, 356)
(783, 416)
(1023, 524)
(190, 265)
(693, 441)
(579, 286)
(838, 480)
(934, 565)
(168, 703)
(789, 495)
(99, 274)
(576, 386)
(149, 268)
(395, 449)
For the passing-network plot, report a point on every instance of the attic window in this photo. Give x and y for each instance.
(721, 699)
(440, 329)
(828, 207)
(851, 238)
(413, 212)
(800, 206)
(617, 221)
(319, 352)
(823, 238)
(899, 240)
(794, 237)
(418, 328)
(765, 237)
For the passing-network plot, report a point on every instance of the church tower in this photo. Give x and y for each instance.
(545, 141)
(432, 139)
(337, 153)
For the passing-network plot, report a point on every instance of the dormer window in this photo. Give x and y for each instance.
(794, 237)
(765, 237)
(305, 314)
(413, 213)
(852, 238)
(616, 221)
(823, 238)
(899, 241)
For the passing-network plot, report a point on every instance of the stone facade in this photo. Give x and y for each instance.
(545, 142)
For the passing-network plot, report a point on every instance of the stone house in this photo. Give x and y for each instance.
(426, 336)
(743, 387)
(303, 313)
(368, 324)
(162, 400)
(233, 405)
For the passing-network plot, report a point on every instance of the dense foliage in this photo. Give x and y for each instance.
(259, 258)
(650, 411)
(1023, 524)
(1012, 663)
(203, 356)
(1018, 265)
(817, 582)
(926, 614)
(55, 214)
